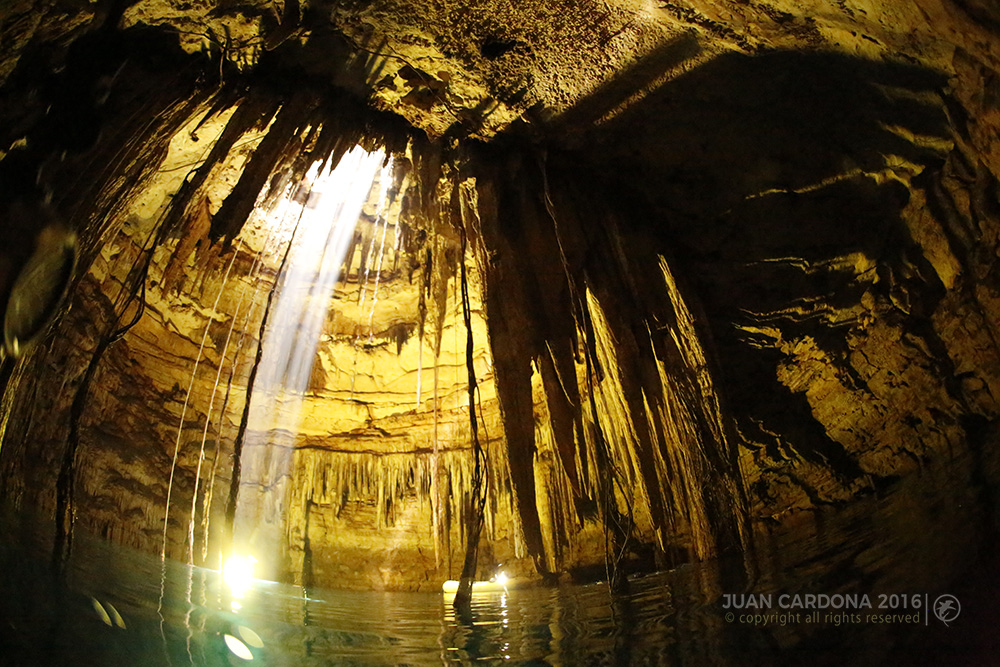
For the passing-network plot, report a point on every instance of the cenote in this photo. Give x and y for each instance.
(535, 333)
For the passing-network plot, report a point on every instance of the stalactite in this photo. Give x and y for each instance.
(336, 478)
(631, 418)
(620, 430)
(508, 341)
(142, 150)
(383, 214)
(252, 112)
(282, 139)
(727, 496)
(615, 537)
(634, 387)
(561, 346)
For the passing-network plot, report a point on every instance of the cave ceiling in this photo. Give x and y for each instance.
(486, 65)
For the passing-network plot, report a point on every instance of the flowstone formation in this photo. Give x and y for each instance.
(696, 271)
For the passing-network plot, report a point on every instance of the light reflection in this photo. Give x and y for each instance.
(249, 636)
(324, 229)
(238, 648)
(497, 583)
(238, 574)
(115, 616)
(101, 613)
(107, 613)
(316, 255)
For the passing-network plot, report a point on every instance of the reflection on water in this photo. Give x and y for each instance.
(120, 607)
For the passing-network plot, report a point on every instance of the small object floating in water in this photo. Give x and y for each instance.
(496, 584)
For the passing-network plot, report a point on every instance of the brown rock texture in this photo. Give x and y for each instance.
(729, 264)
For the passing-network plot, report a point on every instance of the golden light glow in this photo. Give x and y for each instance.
(498, 583)
(237, 572)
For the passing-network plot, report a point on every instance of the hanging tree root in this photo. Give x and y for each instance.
(66, 482)
(617, 528)
(463, 597)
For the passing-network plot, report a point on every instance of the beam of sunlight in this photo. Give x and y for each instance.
(313, 268)
(327, 221)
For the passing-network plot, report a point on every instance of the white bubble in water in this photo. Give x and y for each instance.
(101, 614)
(249, 636)
(115, 616)
(238, 648)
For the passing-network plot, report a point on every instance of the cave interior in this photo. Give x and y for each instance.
(388, 294)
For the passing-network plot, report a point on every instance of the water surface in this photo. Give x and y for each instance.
(905, 542)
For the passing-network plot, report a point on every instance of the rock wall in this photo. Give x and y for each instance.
(814, 203)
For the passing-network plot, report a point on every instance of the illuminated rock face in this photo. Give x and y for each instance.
(726, 264)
